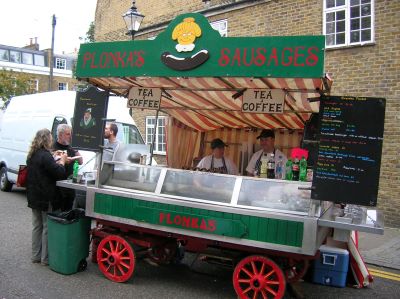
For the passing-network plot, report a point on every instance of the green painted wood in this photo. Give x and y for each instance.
(267, 56)
(255, 228)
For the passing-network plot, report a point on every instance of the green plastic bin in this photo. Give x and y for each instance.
(68, 241)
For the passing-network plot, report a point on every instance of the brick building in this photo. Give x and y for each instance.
(362, 52)
(36, 63)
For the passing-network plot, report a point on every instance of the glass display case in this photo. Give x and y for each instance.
(221, 189)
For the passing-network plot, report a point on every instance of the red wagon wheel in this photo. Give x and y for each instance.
(295, 269)
(116, 258)
(258, 277)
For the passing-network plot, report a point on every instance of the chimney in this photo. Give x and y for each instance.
(32, 46)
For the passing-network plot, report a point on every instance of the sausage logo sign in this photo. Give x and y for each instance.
(190, 47)
(185, 33)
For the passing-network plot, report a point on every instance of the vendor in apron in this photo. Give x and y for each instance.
(216, 162)
(267, 142)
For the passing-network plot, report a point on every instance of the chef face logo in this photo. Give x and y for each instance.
(185, 33)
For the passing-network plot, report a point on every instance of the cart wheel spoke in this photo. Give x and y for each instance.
(258, 277)
(116, 258)
(253, 266)
(264, 294)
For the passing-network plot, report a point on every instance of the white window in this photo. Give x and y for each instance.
(15, 56)
(348, 22)
(4, 55)
(221, 26)
(34, 84)
(62, 86)
(39, 60)
(159, 142)
(61, 64)
(27, 58)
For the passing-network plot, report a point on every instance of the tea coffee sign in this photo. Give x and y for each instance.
(263, 101)
(148, 98)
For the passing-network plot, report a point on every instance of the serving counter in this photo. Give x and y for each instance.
(265, 213)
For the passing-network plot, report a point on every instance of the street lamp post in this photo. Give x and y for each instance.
(133, 19)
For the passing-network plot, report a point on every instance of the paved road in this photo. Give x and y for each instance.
(19, 278)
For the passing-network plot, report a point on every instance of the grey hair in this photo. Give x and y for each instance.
(61, 128)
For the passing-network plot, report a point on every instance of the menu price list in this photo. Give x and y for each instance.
(350, 148)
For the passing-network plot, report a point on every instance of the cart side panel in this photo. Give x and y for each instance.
(269, 230)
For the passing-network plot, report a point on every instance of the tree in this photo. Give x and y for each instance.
(89, 38)
(14, 84)
(90, 33)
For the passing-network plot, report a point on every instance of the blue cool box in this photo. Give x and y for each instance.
(331, 267)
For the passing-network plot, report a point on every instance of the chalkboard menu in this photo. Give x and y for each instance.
(88, 124)
(349, 151)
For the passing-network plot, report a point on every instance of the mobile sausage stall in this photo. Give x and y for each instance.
(230, 88)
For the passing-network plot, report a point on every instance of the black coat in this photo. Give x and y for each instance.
(43, 172)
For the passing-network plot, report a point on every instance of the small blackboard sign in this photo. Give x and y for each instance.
(350, 148)
(88, 124)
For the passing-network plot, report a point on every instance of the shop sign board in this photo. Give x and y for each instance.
(147, 98)
(263, 101)
(206, 54)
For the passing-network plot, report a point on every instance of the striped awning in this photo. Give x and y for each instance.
(210, 103)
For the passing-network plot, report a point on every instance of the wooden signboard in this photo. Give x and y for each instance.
(88, 124)
(263, 101)
(349, 153)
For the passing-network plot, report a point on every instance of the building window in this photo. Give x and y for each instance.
(348, 22)
(4, 55)
(34, 84)
(221, 26)
(15, 56)
(61, 64)
(39, 60)
(62, 86)
(27, 58)
(159, 142)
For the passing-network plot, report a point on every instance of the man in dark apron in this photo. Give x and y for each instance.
(216, 162)
(267, 142)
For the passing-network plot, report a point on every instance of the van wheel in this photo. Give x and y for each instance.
(5, 184)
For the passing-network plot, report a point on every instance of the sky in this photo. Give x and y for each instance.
(21, 20)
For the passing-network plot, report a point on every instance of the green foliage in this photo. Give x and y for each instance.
(14, 84)
(90, 33)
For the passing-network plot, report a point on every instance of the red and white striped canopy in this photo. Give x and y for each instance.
(208, 103)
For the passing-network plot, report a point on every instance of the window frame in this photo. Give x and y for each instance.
(156, 143)
(215, 23)
(347, 9)
(64, 83)
(59, 62)
(7, 53)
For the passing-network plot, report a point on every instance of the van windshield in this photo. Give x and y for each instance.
(129, 134)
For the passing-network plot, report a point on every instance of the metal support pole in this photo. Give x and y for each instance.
(51, 60)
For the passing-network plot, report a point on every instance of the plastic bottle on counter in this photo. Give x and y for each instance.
(75, 171)
(263, 166)
(295, 169)
(288, 168)
(279, 169)
(303, 169)
(271, 167)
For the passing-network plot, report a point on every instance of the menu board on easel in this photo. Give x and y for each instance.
(350, 149)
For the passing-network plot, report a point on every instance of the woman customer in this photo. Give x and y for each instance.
(43, 172)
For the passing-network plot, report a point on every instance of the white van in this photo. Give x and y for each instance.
(27, 114)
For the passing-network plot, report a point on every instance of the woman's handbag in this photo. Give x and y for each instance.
(22, 174)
